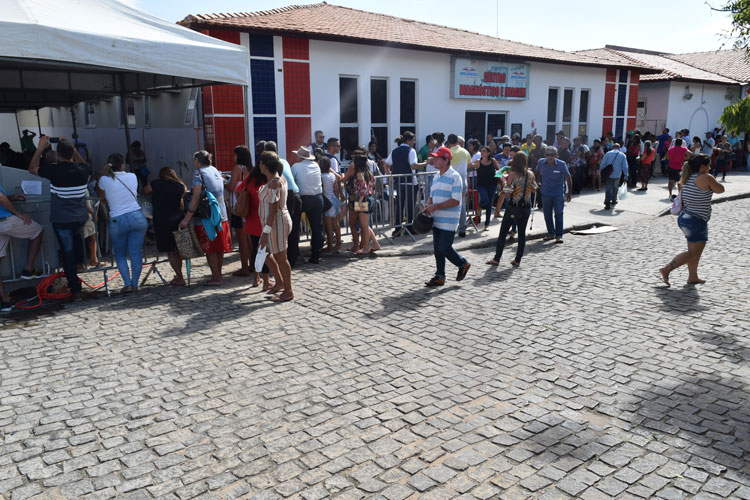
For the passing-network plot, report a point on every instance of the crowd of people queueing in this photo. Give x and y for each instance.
(269, 196)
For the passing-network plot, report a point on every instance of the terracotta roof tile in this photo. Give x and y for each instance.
(671, 66)
(728, 63)
(333, 22)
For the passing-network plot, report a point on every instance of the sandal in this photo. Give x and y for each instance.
(241, 273)
(280, 298)
(492, 262)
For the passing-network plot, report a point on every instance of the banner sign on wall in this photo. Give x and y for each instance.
(495, 80)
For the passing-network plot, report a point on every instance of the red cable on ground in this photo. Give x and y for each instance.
(42, 290)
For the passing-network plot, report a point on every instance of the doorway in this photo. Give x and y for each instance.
(478, 124)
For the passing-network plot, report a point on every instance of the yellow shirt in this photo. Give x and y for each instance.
(526, 148)
(460, 161)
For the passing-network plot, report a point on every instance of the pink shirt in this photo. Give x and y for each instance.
(676, 155)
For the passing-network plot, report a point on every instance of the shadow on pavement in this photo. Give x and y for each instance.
(679, 300)
(704, 419)
(411, 300)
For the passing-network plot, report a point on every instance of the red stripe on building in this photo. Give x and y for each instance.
(607, 126)
(222, 133)
(609, 99)
(296, 94)
(298, 133)
(611, 75)
(296, 48)
(296, 88)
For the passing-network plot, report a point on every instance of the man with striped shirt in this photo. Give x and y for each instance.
(445, 207)
(68, 189)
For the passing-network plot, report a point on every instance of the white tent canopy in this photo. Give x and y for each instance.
(60, 52)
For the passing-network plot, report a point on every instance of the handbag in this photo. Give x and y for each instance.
(515, 210)
(242, 206)
(676, 207)
(361, 206)
(326, 204)
(187, 243)
(203, 210)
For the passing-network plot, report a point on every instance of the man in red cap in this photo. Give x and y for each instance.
(445, 207)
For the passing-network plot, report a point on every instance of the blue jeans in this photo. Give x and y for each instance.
(486, 195)
(610, 191)
(442, 242)
(548, 204)
(128, 232)
(505, 227)
(70, 240)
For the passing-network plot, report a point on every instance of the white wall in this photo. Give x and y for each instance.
(701, 112)
(434, 108)
(9, 131)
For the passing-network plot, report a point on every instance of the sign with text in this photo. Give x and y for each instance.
(495, 80)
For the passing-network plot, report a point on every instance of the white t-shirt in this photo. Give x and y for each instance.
(121, 199)
(476, 157)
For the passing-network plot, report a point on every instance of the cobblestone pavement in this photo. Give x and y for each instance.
(575, 376)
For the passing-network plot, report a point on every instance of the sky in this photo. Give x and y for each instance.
(668, 26)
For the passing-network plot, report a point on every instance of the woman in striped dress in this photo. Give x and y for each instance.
(697, 187)
(277, 223)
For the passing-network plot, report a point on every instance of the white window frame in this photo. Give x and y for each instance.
(121, 119)
(568, 124)
(558, 112)
(584, 125)
(89, 119)
(191, 106)
(416, 100)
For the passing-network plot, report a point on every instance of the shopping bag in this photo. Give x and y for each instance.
(622, 191)
(187, 243)
(676, 207)
(260, 259)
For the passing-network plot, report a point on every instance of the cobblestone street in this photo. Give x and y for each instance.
(577, 375)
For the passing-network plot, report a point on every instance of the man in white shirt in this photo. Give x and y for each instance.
(307, 176)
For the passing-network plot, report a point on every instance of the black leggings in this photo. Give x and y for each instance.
(505, 228)
(256, 241)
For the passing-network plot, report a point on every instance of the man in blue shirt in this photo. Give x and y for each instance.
(503, 158)
(619, 163)
(555, 175)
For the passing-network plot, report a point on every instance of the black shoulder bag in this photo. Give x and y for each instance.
(203, 211)
(514, 210)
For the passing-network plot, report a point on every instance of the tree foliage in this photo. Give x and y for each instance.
(736, 117)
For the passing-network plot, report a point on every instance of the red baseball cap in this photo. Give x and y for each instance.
(442, 152)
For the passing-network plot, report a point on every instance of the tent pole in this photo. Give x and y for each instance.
(73, 117)
(38, 122)
(18, 125)
(124, 114)
(247, 118)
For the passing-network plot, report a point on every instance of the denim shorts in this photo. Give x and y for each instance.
(695, 228)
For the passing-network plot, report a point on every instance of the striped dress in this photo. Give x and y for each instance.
(282, 225)
(696, 201)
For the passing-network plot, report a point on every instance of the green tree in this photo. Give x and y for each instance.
(736, 117)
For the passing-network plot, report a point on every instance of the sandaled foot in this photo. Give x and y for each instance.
(284, 297)
(213, 283)
(697, 281)
(177, 282)
(492, 262)
(255, 284)
(241, 272)
(274, 290)
(515, 263)
(352, 249)
(665, 276)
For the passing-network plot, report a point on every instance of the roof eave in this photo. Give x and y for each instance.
(196, 24)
